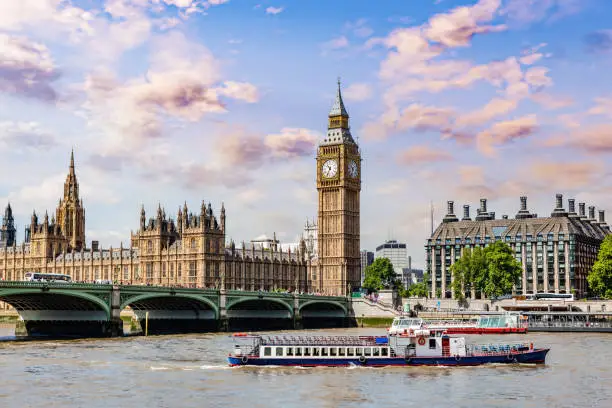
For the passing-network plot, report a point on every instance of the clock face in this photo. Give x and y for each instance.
(352, 169)
(330, 168)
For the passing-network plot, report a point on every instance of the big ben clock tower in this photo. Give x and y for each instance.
(338, 184)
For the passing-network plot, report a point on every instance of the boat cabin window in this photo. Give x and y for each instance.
(289, 351)
(298, 351)
(267, 351)
(333, 351)
(341, 351)
(384, 352)
(367, 351)
(307, 351)
(358, 351)
(432, 343)
(350, 351)
(432, 333)
(316, 351)
(324, 351)
(376, 351)
(279, 352)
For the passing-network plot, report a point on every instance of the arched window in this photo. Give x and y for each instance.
(193, 243)
(149, 246)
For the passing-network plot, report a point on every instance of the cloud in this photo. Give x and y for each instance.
(530, 11)
(457, 27)
(274, 10)
(292, 142)
(564, 175)
(27, 68)
(335, 43)
(599, 41)
(422, 154)
(359, 28)
(552, 102)
(357, 92)
(505, 132)
(593, 139)
(16, 136)
(182, 83)
(494, 108)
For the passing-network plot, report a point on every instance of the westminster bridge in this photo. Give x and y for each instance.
(93, 310)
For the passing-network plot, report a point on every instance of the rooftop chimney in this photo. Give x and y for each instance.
(466, 213)
(571, 204)
(483, 205)
(581, 210)
(504, 217)
(602, 217)
(591, 213)
(559, 211)
(450, 217)
(492, 215)
(482, 212)
(95, 245)
(523, 213)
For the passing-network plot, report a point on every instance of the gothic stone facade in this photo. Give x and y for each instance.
(191, 249)
(556, 252)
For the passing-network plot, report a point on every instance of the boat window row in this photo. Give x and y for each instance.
(326, 351)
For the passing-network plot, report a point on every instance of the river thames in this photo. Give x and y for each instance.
(191, 371)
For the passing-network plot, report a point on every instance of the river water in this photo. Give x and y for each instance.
(191, 371)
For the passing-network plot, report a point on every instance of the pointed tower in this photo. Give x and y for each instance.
(70, 214)
(8, 231)
(339, 186)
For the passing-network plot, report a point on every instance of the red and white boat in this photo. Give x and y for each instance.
(484, 324)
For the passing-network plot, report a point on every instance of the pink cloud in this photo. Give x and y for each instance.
(358, 92)
(26, 68)
(505, 132)
(292, 142)
(421, 155)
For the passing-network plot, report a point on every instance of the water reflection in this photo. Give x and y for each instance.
(191, 371)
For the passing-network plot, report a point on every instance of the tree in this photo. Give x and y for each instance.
(462, 274)
(419, 289)
(380, 275)
(469, 272)
(503, 271)
(600, 277)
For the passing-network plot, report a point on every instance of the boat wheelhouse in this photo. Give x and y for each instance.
(420, 347)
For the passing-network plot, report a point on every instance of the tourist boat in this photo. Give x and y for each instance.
(484, 324)
(421, 347)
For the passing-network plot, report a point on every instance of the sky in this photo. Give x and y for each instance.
(173, 101)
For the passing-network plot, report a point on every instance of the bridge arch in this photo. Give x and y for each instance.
(50, 298)
(337, 305)
(177, 296)
(260, 300)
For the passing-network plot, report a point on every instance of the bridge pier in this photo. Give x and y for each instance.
(223, 322)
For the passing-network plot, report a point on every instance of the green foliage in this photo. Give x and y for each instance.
(503, 270)
(380, 275)
(492, 271)
(600, 277)
(418, 289)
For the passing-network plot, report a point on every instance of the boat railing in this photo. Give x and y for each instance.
(496, 349)
(320, 340)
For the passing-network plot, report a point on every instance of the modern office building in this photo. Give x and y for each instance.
(557, 252)
(396, 252)
(367, 257)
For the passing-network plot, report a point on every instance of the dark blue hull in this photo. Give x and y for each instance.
(537, 356)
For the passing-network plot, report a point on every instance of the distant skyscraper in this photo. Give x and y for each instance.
(367, 257)
(396, 252)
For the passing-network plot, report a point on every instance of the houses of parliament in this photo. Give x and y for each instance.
(191, 249)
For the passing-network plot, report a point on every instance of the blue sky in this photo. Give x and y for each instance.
(166, 101)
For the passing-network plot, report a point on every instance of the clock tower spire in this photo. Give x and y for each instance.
(339, 186)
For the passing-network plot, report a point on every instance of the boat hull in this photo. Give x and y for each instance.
(536, 356)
